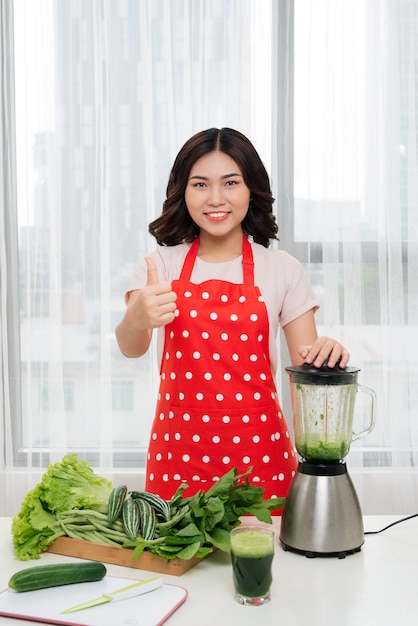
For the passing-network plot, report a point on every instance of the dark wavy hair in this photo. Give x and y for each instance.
(175, 225)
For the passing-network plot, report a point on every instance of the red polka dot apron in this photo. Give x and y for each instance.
(217, 404)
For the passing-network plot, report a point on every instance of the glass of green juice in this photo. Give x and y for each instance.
(252, 551)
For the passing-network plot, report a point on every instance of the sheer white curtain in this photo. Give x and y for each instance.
(356, 215)
(98, 97)
(105, 95)
(9, 313)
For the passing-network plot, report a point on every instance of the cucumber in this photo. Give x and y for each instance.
(148, 519)
(161, 506)
(116, 500)
(131, 518)
(43, 576)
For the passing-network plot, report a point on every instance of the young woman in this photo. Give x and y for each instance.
(217, 294)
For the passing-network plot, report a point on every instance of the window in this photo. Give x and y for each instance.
(355, 202)
(106, 94)
(123, 395)
(97, 100)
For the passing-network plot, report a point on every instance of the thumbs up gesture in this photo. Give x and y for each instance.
(156, 302)
(148, 308)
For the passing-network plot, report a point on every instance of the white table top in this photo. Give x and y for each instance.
(376, 586)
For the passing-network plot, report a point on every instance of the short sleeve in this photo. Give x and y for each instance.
(298, 296)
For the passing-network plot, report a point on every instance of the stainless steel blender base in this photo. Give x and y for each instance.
(322, 515)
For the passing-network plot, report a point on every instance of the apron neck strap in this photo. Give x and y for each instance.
(187, 269)
(247, 261)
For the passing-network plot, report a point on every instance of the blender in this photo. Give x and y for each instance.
(322, 515)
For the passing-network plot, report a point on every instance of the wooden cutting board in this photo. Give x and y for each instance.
(45, 605)
(120, 556)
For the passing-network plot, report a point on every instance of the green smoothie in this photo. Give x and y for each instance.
(323, 452)
(252, 553)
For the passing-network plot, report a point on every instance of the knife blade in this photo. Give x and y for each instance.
(130, 591)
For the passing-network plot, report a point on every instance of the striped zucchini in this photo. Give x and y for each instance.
(131, 518)
(116, 500)
(148, 519)
(161, 506)
(43, 576)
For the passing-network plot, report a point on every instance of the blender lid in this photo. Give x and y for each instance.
(323, 375)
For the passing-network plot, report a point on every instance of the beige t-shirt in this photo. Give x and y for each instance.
(280, 277)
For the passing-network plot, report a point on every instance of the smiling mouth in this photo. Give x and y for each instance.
(217, 215)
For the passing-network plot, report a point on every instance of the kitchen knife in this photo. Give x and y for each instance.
(130, 591)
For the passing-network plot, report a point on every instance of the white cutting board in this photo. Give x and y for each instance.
(45, 605)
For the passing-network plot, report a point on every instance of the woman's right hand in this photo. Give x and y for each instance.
(154, 305)
(151, 307)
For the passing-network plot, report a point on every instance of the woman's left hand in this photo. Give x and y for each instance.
(325, 350)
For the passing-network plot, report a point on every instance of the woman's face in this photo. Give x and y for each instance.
(216, 195)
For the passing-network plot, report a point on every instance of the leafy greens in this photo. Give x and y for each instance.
(204, 521)
(71, 500)
(66, 485)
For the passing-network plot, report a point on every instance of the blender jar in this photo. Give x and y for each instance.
(323, 402)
